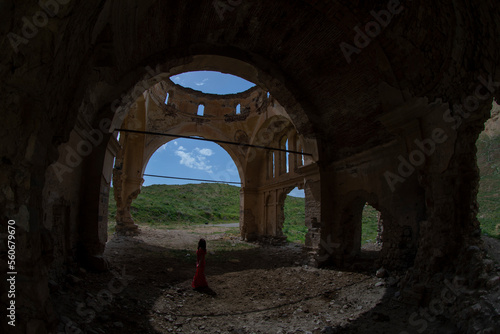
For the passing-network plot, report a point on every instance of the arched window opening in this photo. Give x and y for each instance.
(238, 109)
(268, 94)
(166, 99)
(283, 161)
(287, 158)
(270, 165)
(294, 227)
(274, 164)
(201, 110)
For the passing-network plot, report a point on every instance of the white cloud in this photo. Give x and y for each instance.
(163, 147)
(201, 83)
(194, 159)
(206, 151)
(176, 143)
(178, 80)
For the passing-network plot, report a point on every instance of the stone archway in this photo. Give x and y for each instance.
(261, 122)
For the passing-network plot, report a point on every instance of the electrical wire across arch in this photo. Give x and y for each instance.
(189, 179)
(213, 140)
(209, 140)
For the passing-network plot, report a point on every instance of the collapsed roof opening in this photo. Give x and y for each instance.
(212, 82)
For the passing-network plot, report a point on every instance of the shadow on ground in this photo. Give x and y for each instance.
(262, 289)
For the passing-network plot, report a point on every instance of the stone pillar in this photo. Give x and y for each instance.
(93, 208)
(249, 214)
(380, 228)
(299, 148)
(313, 208)
(281, 195)
(127, 176)
(270, 213)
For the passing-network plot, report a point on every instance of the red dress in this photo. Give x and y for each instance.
(199, 279)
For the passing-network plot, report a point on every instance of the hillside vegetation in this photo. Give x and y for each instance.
(191, 203)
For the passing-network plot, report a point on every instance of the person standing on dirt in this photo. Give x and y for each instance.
(199, 280)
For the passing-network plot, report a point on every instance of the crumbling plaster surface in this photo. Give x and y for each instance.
(90, 53)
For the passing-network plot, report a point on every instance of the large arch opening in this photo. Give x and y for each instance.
(186, 182)
(180, 116)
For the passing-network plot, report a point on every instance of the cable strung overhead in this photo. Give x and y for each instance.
(188, 179)
(214, 141)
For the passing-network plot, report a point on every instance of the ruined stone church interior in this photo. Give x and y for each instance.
(357, 103)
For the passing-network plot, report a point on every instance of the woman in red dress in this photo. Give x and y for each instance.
(199, 280)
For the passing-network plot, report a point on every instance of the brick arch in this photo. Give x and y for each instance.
(262, 115)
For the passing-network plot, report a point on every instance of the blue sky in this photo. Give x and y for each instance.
(212, 82)
(199, 159)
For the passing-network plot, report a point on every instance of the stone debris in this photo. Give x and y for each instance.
(493, 282)
(381, 273)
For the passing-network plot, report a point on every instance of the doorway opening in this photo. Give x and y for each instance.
(371, 231)
(488, 161)
(294, 227)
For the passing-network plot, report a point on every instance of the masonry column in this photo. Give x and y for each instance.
(127, 176)
(313, 214)
(250, 214)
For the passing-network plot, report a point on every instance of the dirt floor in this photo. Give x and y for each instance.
(254, 289)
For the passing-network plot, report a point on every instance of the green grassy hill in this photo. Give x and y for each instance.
(192, 203)
(294, 227)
